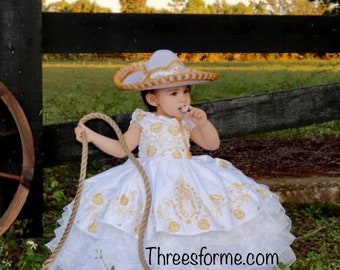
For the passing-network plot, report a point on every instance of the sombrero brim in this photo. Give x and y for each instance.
(134, 77)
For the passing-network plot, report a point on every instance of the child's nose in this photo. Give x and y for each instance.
(183, 97)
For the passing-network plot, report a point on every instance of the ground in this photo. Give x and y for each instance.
(260, 158)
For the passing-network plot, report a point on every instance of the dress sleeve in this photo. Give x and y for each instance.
(139, 116)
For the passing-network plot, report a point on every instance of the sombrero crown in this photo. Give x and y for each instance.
(164, 69)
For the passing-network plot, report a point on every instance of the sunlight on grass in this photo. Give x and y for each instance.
(73, 89)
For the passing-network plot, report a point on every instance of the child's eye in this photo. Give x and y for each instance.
(173, 93)
(187, 91)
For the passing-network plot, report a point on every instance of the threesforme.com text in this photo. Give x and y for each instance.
(203, 257)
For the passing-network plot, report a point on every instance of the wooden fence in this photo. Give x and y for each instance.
(232, 117)
(26, 33)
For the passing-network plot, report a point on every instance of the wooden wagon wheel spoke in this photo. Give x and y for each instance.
(28, 159)
(8, 133)
(11, 176)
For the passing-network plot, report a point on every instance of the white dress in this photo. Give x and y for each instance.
(205, 213)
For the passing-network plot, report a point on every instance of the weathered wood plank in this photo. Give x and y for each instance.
(21, 72)
(276, 110)
(232, 117)
(118, 32)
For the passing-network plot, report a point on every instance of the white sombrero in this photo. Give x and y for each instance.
(164, 69)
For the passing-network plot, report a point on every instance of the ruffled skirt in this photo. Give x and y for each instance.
(205, 214)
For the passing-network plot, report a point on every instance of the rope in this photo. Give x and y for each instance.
(82, 176)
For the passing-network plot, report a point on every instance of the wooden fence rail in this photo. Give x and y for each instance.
(232, 117)
(107, 33)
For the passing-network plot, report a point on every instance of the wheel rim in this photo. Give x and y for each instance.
(28, 160)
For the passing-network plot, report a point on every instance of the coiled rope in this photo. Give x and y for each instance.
(83, 167)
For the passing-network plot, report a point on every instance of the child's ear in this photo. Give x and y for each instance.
(151, 99)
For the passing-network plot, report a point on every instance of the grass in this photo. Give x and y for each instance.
(71, 90)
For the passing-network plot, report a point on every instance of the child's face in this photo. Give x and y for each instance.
(169, 101)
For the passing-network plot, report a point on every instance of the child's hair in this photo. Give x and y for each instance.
(152, 91)
(150, 107)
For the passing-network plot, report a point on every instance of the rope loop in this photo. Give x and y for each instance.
(83, 168)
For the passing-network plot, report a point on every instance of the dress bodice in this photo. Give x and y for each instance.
(163, 136)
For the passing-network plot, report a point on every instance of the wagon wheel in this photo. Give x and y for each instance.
(26, 166)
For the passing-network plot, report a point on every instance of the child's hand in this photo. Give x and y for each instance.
(196, 115)
(80, 130)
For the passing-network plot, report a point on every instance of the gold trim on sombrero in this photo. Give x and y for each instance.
(173, 74)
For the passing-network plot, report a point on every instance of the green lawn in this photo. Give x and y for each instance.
(71, 90)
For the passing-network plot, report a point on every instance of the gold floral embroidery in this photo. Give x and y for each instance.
(216, 199)
(238, 185)
(124, 200)
(239, 214)
(152, 150)
(93, 228)
(203, 224)
(137, 229)
(128, 205)
(223, 164)
(219, 203)
(177, 154)
(156, 127)
(174, 227)
(98, 199)
(174, 130)
(263, 193)
(140, 115)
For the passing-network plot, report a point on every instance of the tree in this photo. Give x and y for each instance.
(332, 7)
(60, 6)
(87, 6)
(177, 6)
(195, 7)
(133, 6)
(305, 7)
(220, 7)
(291, 7)
(258, 7)
(78, 6)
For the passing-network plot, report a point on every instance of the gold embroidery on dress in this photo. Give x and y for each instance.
(203, 224)
(218, 203)
(124, 200)
(177, 154)
(185, 137)
(137, 229)
(216, 199)
(263, 193)
(163, 209)
(156, 127)
(174, 226)
(239, 186)
(140, 115)
(152, 150)
(223, 164)
(174, 130)
(186, 202)
(93, 228)
(239, 214)
(128, 206)
(98, 199)
(238, 197)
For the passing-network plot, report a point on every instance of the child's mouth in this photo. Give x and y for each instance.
(184, 108)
